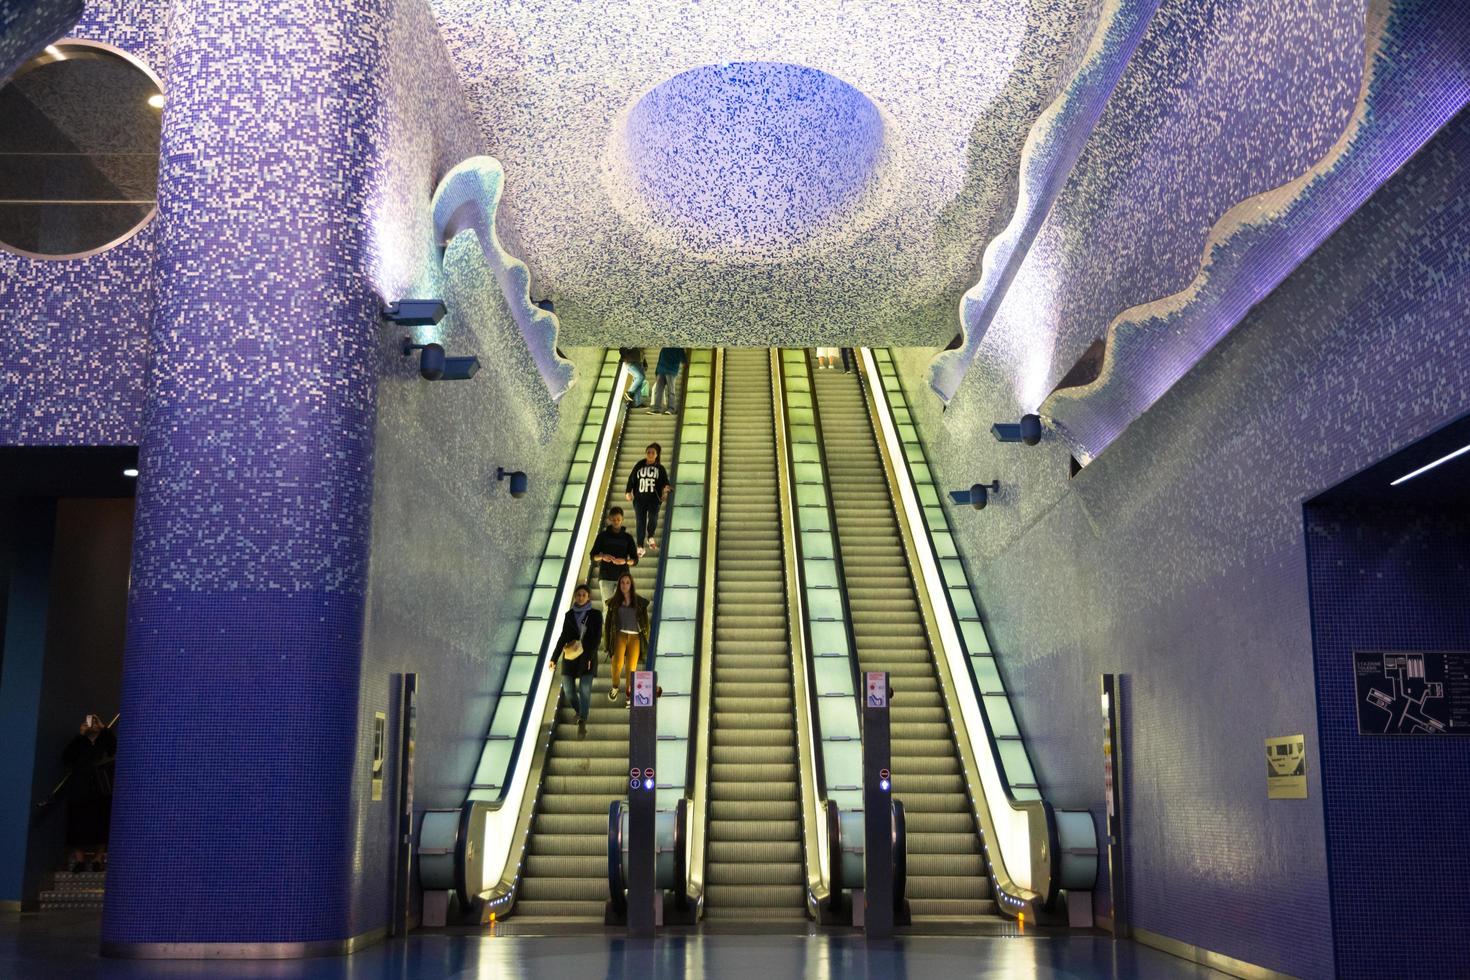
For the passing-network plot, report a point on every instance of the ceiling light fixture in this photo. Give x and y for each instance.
(130, 473)
(1426, 468)
(156, 100)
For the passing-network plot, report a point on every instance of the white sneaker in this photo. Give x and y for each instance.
(652, 544)
(640, 552)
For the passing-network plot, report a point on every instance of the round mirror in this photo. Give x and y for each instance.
(79, 135)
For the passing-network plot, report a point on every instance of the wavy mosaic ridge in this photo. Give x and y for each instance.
(1257, 243)
(27, 27)
(1052, 149)
(467, 199)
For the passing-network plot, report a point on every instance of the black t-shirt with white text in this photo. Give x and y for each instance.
(647, 481)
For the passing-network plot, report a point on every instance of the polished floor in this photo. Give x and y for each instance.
(64, 945)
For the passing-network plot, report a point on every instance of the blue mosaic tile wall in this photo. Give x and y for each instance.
(74, 350)
(1178, 559)
(1395, 805)
(450, 547)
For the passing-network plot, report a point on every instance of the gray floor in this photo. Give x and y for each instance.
(64, 945)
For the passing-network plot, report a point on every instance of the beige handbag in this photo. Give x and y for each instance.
(572, 650)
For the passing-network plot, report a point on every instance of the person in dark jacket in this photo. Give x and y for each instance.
(615, 552)
(625, 633)
(88, 759)
(666, 379)
(648, 487)
(576, 648)
(633, 357)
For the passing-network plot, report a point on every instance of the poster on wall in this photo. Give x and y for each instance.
(1286, 767)
(1413, 692)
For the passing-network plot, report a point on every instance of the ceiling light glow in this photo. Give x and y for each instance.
(130, 473)
(1426, 468)
(156, 100)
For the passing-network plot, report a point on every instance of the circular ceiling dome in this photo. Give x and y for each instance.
(749, 157)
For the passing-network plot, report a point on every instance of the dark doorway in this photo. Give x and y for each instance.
(66, 527)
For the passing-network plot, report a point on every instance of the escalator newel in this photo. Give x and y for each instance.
(643, 895)
(878, 897)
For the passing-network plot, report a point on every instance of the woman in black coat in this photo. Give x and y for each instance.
(582, 626)
(88, 759)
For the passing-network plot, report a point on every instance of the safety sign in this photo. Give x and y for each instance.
(642, 688)
(877, 689)
(1286, 768)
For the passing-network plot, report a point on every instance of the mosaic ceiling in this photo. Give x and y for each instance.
(1033, 178)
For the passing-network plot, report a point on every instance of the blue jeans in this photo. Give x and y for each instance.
(639, 380)
(569, 690)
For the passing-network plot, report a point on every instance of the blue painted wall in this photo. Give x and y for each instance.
(1178, 558)
(1391, 579)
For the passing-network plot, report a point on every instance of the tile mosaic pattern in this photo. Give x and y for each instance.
(1177, 558)
(1416, 76)
(560, 89)
(1390, 580)
(27, 26)
(74, 350)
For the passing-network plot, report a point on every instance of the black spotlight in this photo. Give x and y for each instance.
(1027, 431)
(519, 483)
(977, 496)
(435, 366)
(416, 312)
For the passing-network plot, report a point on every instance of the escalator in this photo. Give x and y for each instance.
(947, 879)
(565, 877)
(754, 866)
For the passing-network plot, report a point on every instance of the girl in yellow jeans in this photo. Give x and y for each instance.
(625, 633)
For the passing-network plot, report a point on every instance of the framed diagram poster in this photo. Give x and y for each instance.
(1413, 692)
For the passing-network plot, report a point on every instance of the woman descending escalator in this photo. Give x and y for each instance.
(576, 648)
(625, 628)
(648, 487)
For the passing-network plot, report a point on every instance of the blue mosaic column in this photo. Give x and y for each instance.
(232, 821)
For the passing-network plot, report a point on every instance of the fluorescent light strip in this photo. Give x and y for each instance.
(1425, 469)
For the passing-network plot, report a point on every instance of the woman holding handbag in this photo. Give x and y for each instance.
(576, 648)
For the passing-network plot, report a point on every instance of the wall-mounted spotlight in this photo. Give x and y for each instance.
(131, 472)
(1028, 430)
(416, 312)
(435, 366)
(519, 483)
(977, 496)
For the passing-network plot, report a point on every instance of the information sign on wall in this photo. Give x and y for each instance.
(1286, 768)
(1413, 692)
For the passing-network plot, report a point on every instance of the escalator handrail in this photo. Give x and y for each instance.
(1040, 815)
(852, 657)
(696, 767)
(815, 838)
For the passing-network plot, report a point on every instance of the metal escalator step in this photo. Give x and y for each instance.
(572, 823)
(757, 755)
(604, 786)
(943, 909)
(936, 822)
(746, 871)
(531, 912)
(946, 865)
(746, 737)
(549, 865)
(953, 842)
(947, 886)
(782, 791)
(758, 827)
(553, 803)
(911, 783)
(593, 843)
(763, 898)
(584, 765)
(752, 916)
(535, 889)
(779, 702)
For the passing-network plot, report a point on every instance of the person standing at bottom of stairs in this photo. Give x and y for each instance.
(625, 628)
(576, 648)
(648, 487)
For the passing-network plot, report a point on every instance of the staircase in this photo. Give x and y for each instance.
(754, 868)
(74, 890)
(565, 877)
(947, 879)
